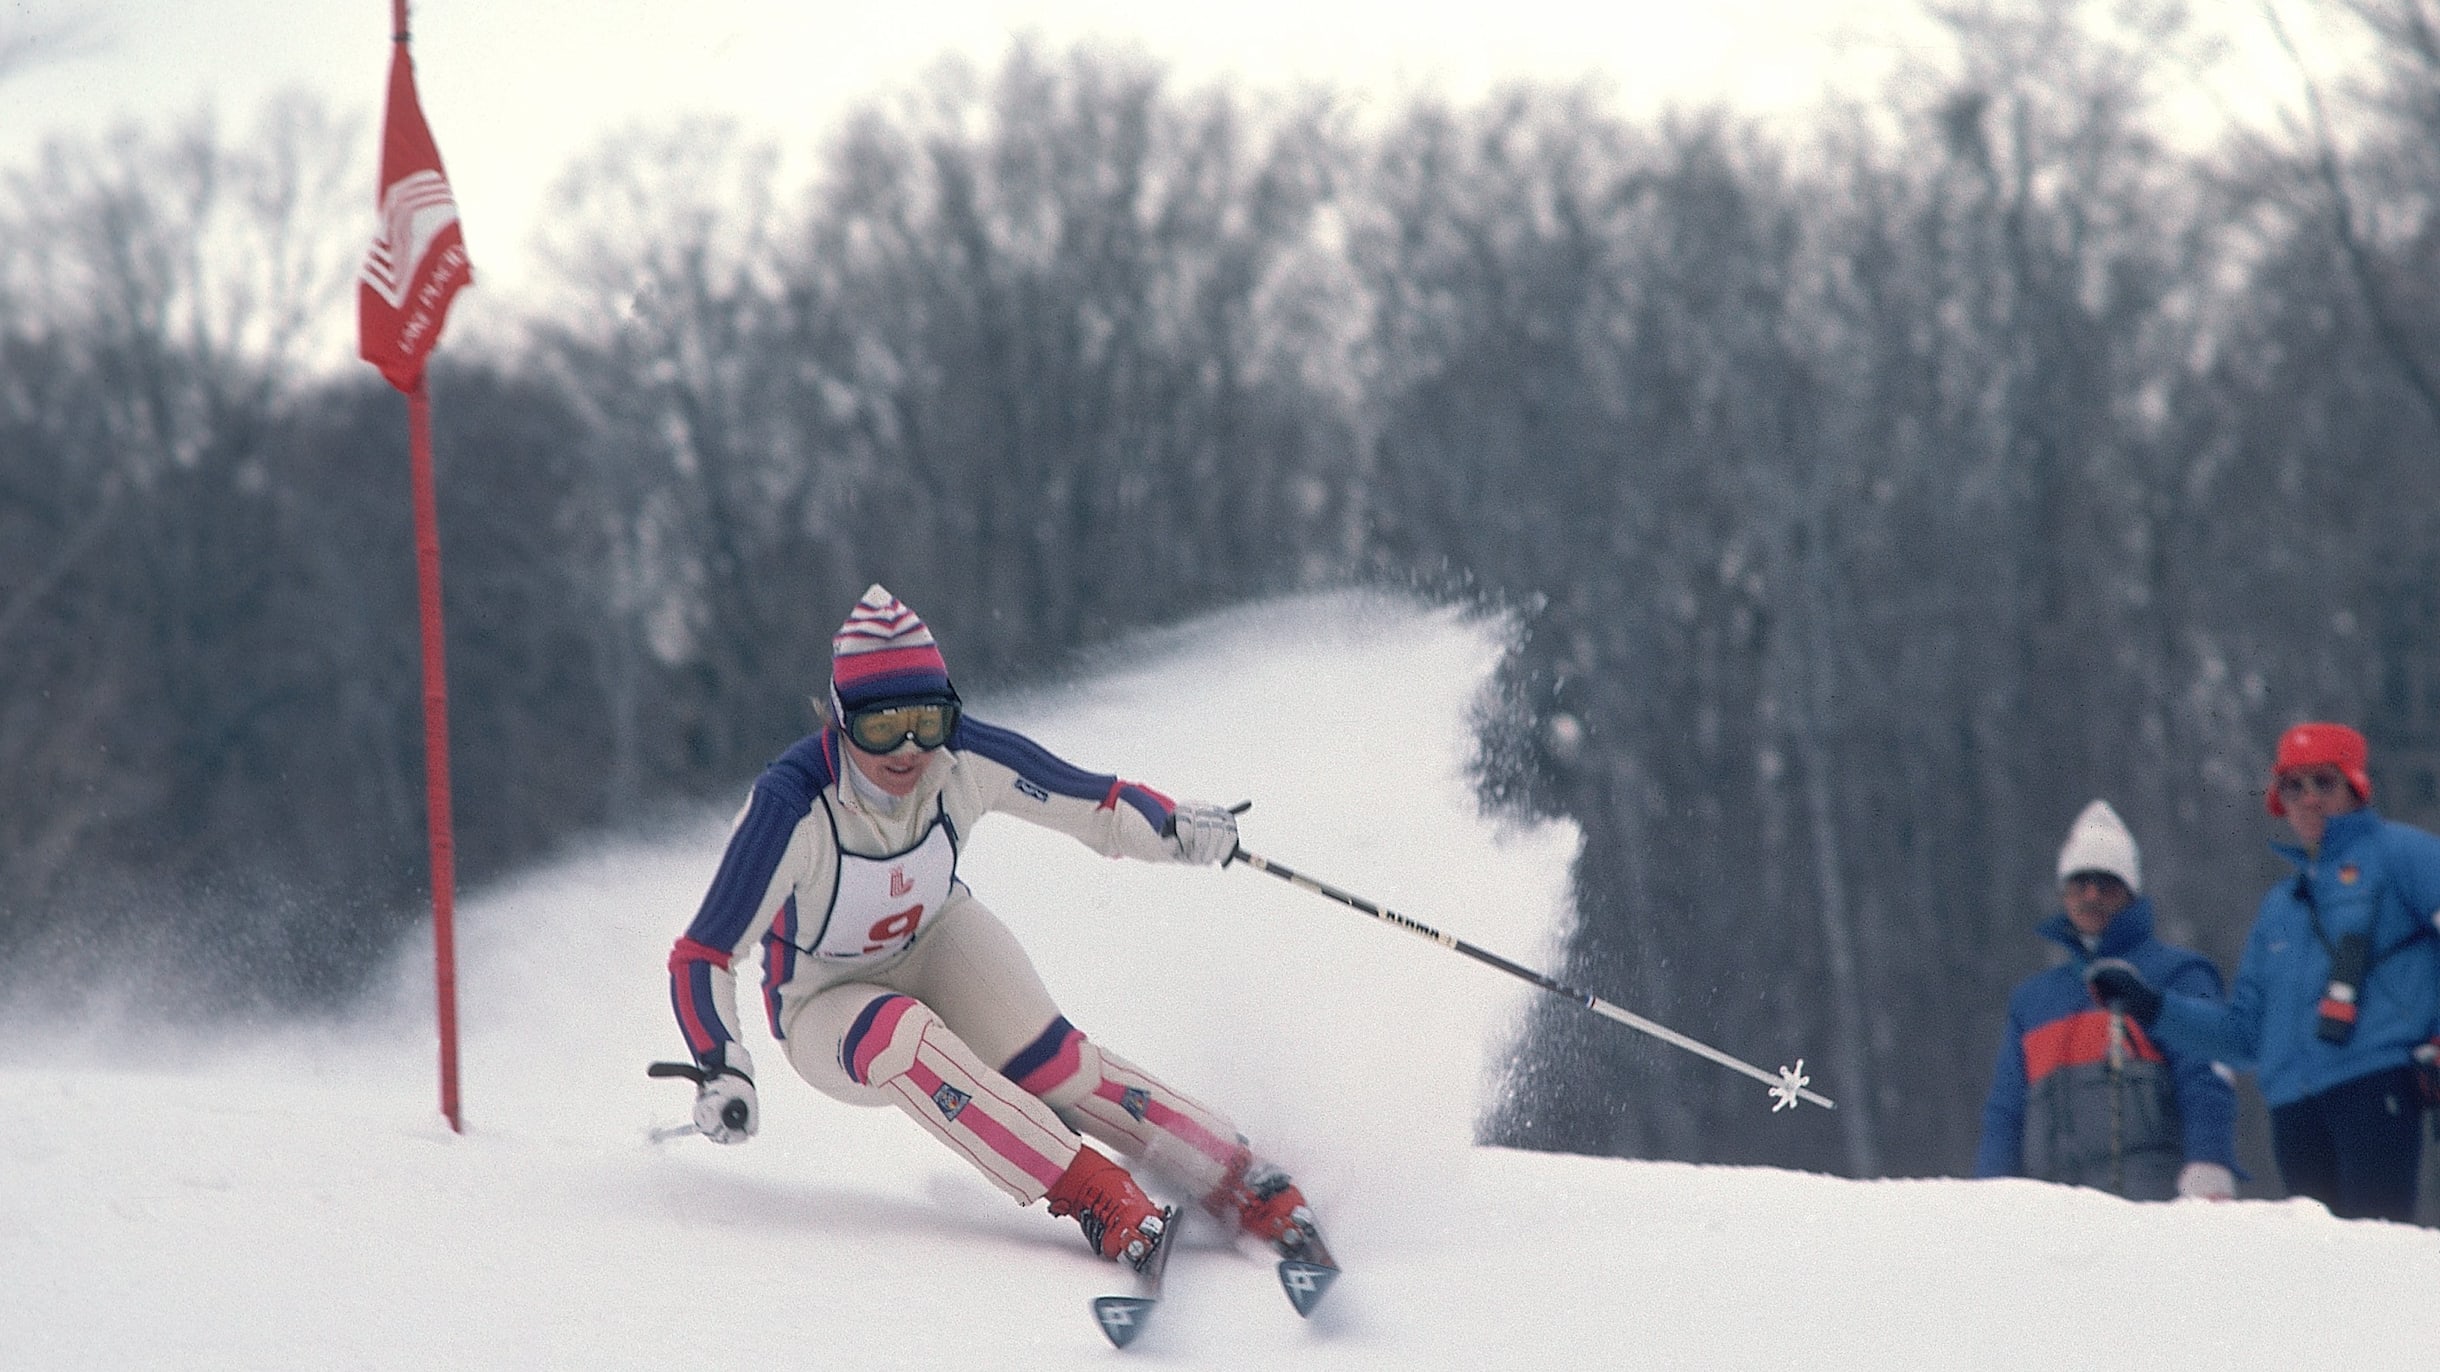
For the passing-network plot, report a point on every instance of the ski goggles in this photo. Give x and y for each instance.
(886, 728)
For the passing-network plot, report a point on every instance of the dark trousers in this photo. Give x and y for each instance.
(2356, 1147)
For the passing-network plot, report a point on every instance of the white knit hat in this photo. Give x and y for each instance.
(2099, 842)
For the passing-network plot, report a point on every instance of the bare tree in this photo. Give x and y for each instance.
(664, 329)
(157, 292)
(1049, 311)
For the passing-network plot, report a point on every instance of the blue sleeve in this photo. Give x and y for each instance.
(2002, 1152)
(782, 796)
(1038, 767)
(2227, 1030)
(2206, 1103)
(2414, 857)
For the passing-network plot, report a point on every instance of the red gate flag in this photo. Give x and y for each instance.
(418, 260)
(417, 265)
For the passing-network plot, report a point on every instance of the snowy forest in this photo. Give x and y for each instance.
(1865, 497)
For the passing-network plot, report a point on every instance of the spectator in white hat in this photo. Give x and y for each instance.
(2081, 1094)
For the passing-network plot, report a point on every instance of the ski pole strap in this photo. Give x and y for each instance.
(1790, 1085)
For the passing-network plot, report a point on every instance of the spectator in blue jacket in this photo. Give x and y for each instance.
(2339, 987)
(2080, 1095)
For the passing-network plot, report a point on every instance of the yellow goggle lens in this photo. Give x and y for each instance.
(884, 728)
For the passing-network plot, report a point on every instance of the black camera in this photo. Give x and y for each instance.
(2347, 964)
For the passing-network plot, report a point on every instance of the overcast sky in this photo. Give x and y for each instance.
(515, 89)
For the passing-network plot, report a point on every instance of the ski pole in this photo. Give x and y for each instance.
(1787, 1085)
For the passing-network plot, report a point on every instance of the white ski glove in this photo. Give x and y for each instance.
(1204, 835)
(2207, 1181)
(725, 1108)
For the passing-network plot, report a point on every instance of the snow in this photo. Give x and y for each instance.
(288, 1197)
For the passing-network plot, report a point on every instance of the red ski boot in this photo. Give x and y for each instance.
(1258, 1197)
(1118, 1219)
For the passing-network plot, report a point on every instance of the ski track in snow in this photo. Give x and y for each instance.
(290, 1198)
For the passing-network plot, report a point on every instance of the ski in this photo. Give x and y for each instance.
(1306, 1268)
(1123, 1317)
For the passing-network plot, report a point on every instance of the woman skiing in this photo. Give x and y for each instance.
(885, 982)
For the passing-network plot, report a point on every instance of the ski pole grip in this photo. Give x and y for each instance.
(1235, 853)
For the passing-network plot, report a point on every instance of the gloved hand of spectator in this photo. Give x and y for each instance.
(2207, 1181)
(1205, 835)
(2114, 982)
(725, 1108)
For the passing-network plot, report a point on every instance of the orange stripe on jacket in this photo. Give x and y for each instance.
(2081, 1038)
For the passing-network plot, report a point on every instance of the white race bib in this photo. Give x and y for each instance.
(880, 903)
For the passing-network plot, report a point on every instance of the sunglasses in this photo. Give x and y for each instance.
(884, 728)
(2319, 783)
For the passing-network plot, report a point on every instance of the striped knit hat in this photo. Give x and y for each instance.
(883, 652)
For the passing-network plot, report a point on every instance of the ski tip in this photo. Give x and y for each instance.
(1306, 1283)
(1121, 1317)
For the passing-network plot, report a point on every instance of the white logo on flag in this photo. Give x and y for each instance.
(413, 213)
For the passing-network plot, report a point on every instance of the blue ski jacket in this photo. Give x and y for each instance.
(2371, 876)
(2059, 1110)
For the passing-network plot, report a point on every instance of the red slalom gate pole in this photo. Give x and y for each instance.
(438, 824)
(415, 265)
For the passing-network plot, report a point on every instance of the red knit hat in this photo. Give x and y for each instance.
(2313, 745)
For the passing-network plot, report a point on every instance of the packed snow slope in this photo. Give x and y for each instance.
(289, 1198)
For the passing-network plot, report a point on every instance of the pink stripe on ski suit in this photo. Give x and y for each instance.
(978, 1120)
(1171, 1122)
(1065, 1063)
(877, 1037)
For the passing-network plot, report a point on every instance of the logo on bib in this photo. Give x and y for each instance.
(950, 1100)
(900, 886)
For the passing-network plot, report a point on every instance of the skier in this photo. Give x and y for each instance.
(2084, 1097)
(885, 982)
